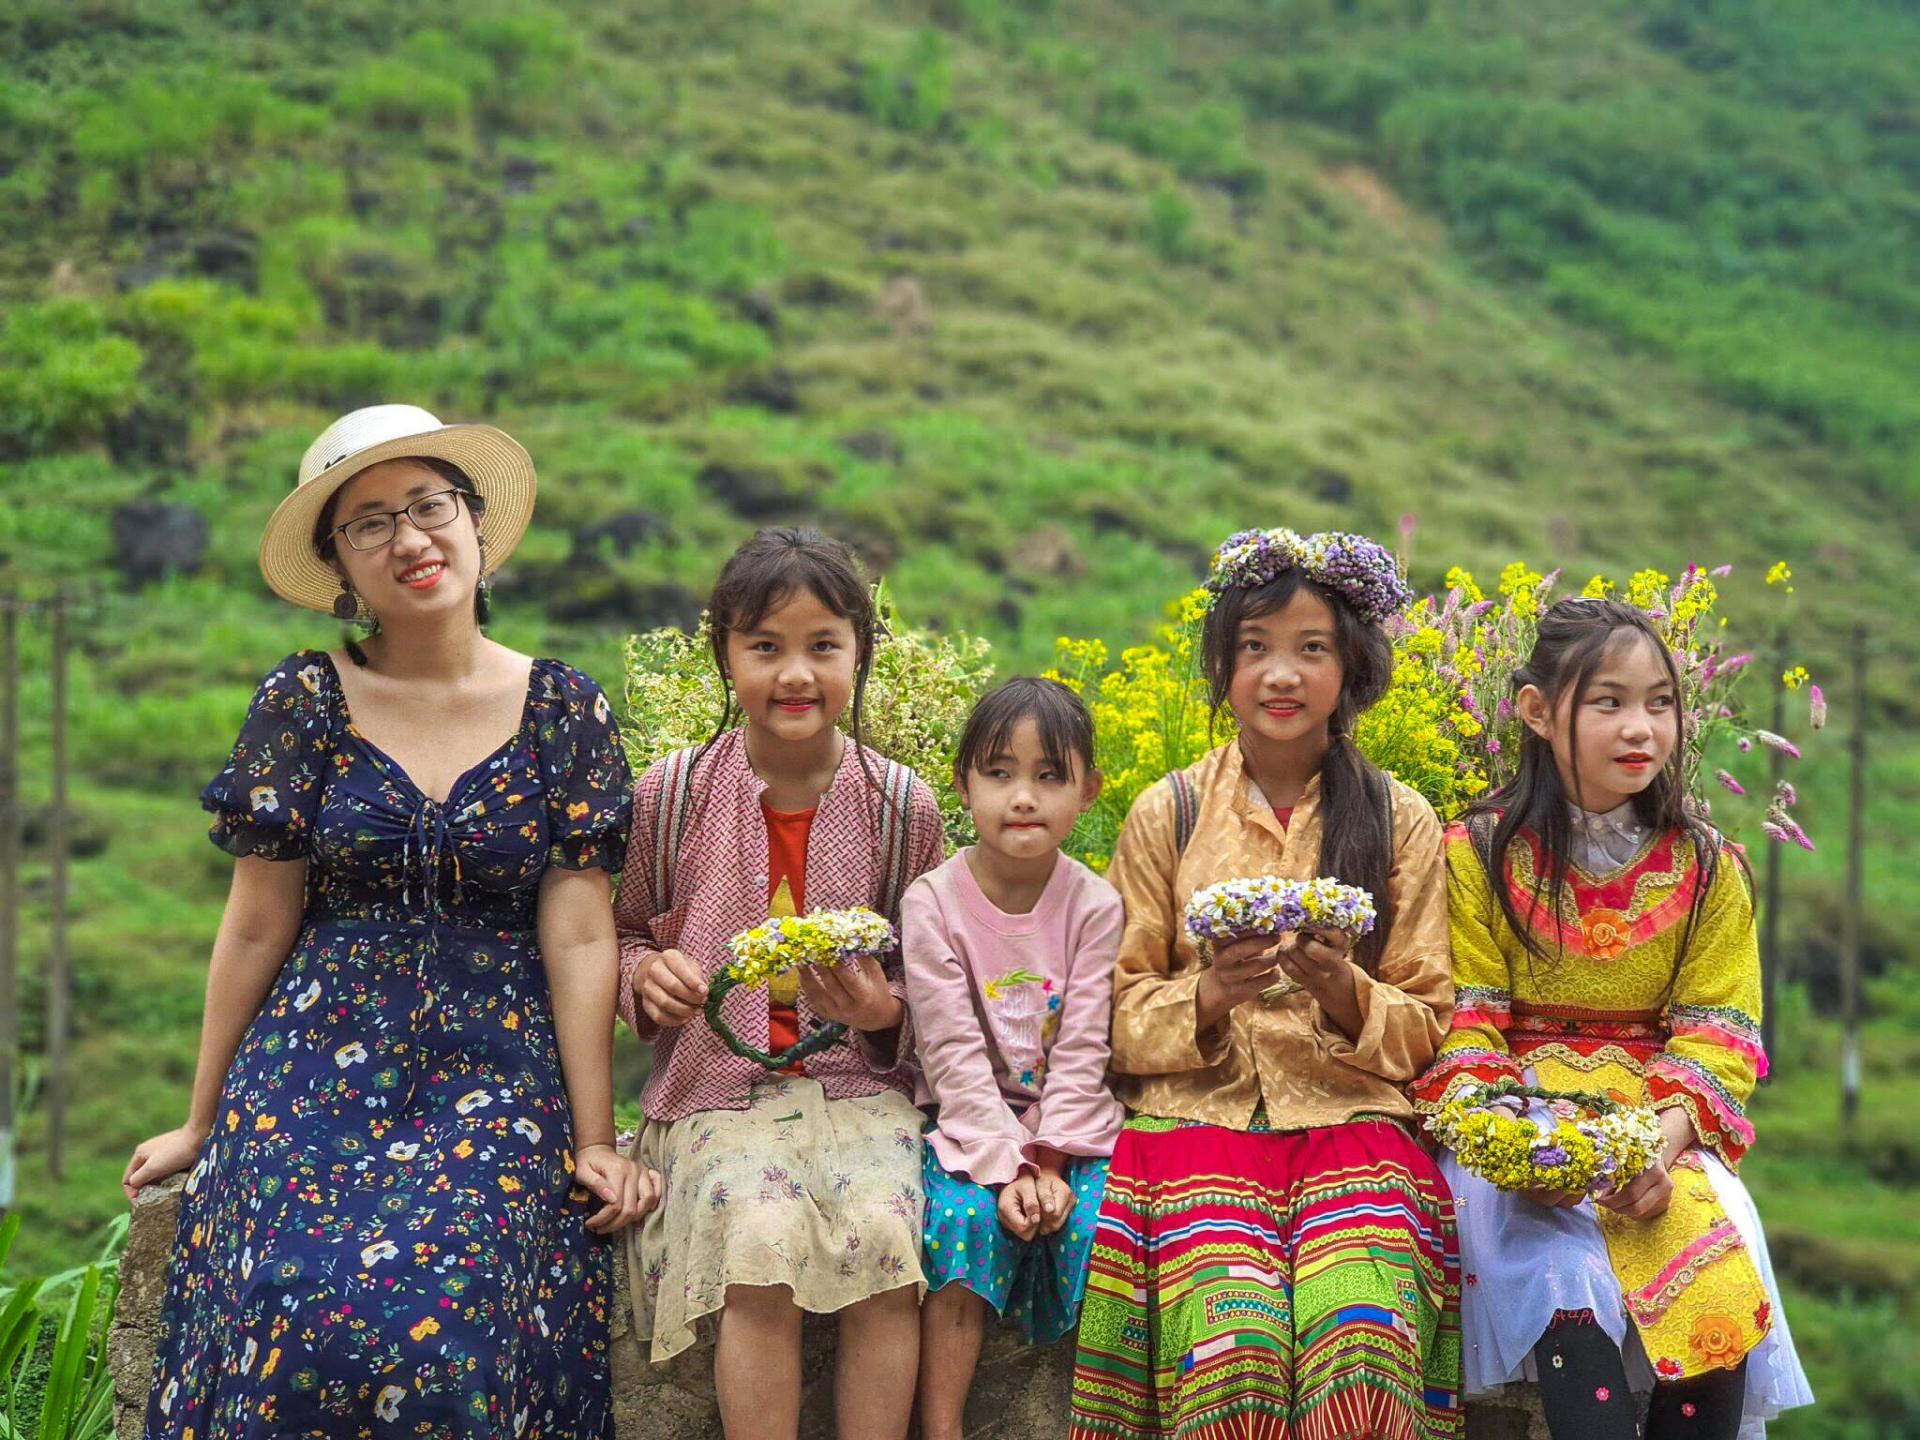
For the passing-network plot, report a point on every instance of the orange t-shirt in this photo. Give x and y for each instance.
(786, 860)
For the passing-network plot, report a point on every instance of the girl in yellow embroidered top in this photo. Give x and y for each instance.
(1615, 952)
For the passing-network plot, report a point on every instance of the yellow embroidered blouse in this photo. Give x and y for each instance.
(1611, 1012)
(1284, 1052)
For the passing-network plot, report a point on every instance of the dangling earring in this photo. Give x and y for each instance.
(346, 604)
(483, 593)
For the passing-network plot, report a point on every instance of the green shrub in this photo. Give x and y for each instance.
(912, 92)
(721, 248)
(997, 22)
(531, 54)
(62, 375)
(396, 94)
(1202, 142)
(149, 129)
(57, 1357)
(1169, 225)
(540, 316)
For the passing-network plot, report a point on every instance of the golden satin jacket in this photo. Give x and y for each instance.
(1282, 1053)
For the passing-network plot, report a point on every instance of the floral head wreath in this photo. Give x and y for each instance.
(1360, 570)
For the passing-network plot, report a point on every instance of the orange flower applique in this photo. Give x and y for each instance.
(1604, 932)
(1717, 1340)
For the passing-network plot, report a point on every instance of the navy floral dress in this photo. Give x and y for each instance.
(382, 1236)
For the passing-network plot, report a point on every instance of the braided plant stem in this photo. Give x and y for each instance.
(819, 1040)
(1486, 1090)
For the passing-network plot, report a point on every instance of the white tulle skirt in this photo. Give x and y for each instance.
(1520, 1262)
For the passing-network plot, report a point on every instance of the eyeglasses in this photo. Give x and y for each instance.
(429, 512)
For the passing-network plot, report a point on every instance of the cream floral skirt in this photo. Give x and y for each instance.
(822, 1196)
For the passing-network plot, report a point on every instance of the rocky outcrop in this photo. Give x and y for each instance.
(1018, 1393)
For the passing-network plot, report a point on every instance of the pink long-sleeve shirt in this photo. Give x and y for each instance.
(719, 888)
(1014, 1065)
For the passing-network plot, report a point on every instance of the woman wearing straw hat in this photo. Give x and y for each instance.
(401, 1169)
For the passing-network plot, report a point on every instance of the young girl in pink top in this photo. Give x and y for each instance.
(1009, 952)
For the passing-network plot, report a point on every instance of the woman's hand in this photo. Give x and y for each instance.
(629, 1190)
(671, 988)
(854, 993)
(162, 1155)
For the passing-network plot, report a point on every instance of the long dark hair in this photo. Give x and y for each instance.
(776, 564)
(1356, 834)
(1572, 638)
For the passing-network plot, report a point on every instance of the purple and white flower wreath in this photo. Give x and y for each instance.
(1362, 571)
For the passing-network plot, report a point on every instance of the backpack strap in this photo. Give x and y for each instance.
(1186, 809)
(670, 820)
(896, 800)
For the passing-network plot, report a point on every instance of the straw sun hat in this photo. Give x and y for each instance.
(498, 465)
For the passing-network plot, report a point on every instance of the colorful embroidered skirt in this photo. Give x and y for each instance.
(1520, 1262)
(1270, 1286)
(1036, 1282)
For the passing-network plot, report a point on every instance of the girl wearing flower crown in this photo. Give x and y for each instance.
(1009, 951)
(1603, 942)
(1275, 1252)
(792, 1186)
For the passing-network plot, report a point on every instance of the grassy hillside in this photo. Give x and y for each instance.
(1031, 301)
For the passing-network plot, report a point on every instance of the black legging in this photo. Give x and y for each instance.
(1583, 1390)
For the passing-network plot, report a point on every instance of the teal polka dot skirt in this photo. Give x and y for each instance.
(1035, 1283)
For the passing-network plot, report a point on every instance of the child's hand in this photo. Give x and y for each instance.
(1056, 1200)
(671, 988)
(1645, 1196)
(1241, 969)
(854, 992)
(629, 1190)
(1317, 958)
(1020, 1207)
(1554, 1199)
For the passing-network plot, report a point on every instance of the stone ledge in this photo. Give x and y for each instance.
(1018, 1393)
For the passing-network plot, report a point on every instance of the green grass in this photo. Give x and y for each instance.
(1606, 285)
